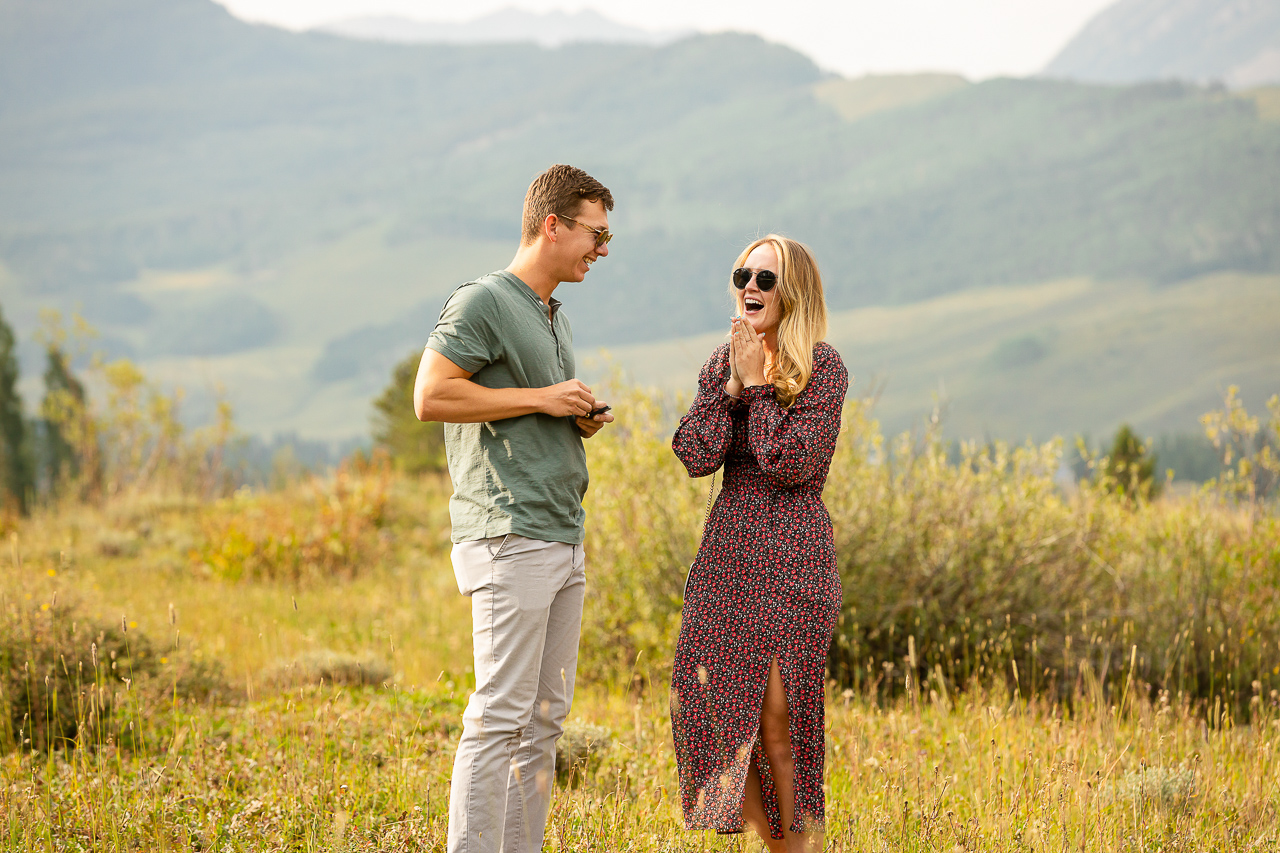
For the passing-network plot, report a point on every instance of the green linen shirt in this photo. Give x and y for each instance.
(524, 475)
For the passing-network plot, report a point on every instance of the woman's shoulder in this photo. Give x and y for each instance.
(827, 356)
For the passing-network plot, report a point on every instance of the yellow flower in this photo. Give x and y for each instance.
(53, 573)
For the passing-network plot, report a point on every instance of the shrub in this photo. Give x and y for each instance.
(60, 673)
(1130, 468)
(986, 571)
(67, 679)
(643, 520)
(325, 666)
(961, 566)
(324, 526)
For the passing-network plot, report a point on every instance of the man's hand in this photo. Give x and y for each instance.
(590, 426)
(569, 399)
(444, 392)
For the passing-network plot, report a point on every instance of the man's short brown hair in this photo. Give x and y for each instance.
(560, 190)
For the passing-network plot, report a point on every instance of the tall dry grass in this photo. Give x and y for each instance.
(1018, 667)
(964, 566)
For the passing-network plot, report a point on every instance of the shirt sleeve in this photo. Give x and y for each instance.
(465, 333)
(702, 439)
(795, 445)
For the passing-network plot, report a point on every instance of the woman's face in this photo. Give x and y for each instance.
(763, 309)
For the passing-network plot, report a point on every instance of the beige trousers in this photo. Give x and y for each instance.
(526, 613)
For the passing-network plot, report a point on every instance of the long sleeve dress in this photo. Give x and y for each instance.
(764, 586)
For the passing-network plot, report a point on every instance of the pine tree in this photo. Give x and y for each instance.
(414, 447)
(1131, 468)
(63, 405)
(16, 470)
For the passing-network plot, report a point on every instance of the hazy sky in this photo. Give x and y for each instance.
(978, 38)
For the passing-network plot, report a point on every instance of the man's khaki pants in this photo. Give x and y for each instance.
(526, 612)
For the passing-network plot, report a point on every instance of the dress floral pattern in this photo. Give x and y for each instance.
(764, 585)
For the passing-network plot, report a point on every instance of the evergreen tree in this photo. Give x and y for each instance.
(414, 447)
(16, 470)
(1131, 468)
(63, 405)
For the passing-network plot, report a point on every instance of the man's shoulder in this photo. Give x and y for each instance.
(486, 286)
(485, 295)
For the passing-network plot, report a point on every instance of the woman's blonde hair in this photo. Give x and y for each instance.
(804, 314)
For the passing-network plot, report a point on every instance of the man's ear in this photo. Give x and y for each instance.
(550, 226)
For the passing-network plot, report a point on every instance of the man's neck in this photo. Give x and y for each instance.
(526, 266)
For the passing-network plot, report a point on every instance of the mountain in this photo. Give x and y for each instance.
(286, 213)
(550, 29)
(1236, 42)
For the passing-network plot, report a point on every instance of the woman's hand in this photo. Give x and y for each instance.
(746, 352)
(734, 386)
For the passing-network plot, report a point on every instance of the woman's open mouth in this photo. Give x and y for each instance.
(751, 305)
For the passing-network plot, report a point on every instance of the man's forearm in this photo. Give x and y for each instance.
(461, 401)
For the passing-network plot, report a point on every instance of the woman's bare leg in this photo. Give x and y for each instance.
(775, 737)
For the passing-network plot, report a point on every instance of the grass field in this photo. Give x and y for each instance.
(1042, 360)
(259, 703)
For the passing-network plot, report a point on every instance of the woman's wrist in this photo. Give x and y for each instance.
(733, 388)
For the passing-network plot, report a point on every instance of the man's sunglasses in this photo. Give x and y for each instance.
(602, 234)
(765, 279)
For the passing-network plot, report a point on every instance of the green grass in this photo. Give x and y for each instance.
(1056, 358)
(325, 767)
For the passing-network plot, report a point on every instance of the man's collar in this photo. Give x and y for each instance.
(518, 282)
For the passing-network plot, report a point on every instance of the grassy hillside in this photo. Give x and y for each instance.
(1059, 358)
(286, 212)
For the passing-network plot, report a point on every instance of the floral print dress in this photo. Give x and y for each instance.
(764, 586)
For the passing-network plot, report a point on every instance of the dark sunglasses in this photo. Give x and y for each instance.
(602, 234)
(765, 279)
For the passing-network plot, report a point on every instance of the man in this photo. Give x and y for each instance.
(499, 372)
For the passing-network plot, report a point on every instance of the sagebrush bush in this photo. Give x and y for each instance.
(67, 679)
(60, 673)
(644, 515)
(321, 527)
(959, 568)
(987, 570)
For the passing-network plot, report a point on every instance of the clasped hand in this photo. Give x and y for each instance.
(574, 399)
(746, 357)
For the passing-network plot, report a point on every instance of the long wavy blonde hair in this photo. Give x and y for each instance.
(804, 314)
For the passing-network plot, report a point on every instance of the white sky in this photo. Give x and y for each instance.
(978, 38)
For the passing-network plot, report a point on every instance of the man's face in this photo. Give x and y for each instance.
(576, 246)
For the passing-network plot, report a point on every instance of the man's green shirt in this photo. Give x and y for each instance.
(524, 475)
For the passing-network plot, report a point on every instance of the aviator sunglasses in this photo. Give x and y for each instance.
(603, 235)
(765, 279)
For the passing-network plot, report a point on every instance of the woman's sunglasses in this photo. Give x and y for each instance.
(765, 279)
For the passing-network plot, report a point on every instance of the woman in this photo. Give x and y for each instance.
(763, 594)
